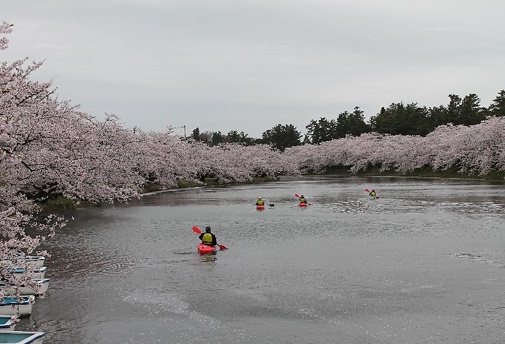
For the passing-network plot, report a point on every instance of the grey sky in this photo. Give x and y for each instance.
(248, 65)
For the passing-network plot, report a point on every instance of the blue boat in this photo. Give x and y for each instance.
(17, 305)
(33, 260)
(22, 337)
(8, 322)
(40, 272)
(37, 287)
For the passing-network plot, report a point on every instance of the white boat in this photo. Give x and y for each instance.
(33, 260)
(20, 306)
(38, 261)
(8, 322)
(39, 272)
(22, 337)
(39, 287)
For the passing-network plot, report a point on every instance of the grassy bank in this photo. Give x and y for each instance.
(181, 184)
(57, 204)
(60, 203)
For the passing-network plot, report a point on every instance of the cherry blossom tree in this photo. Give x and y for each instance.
(47, 148)
(5, 28)
(164, 159)
(475, 149)
(239, 163)
(16, 211)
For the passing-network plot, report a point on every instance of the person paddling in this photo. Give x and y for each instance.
(302, 199)
(373, 194)
(208, 238)
(260, 201)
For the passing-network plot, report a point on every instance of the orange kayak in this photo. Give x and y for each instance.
(205, 249)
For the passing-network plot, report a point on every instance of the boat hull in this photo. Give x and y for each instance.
(260, 207)
(302, 204)
(7, 322)
(39, 288)
(31, 261)
(17, 306)
(206, 249)
(39, 272)
(22, 337)
(34, 260)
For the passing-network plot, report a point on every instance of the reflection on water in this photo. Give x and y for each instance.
(421, 264)
(208, 258)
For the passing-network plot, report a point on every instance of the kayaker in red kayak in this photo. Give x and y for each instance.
(260, 201)
(302, 199)
(208, 238)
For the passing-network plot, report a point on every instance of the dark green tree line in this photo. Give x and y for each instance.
(396, 119)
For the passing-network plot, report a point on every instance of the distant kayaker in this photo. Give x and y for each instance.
(302, 199)
(260, 201)
(373, 194)
(208, 238)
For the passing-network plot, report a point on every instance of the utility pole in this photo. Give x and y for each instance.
(184, 127)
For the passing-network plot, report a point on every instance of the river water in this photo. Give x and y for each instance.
(424, 263)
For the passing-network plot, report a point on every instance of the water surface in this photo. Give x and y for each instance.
(424, 263)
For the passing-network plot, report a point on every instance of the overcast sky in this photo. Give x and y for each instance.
(248, 65)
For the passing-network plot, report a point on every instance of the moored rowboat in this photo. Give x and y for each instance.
(22, 337)
(37, 261)
(33, 260)
(17, 305)
(8, 322)
(20, 271)
(206, 249)
(38, 287)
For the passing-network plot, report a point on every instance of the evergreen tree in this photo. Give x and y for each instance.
(196, 134)
(217, 138)
(282, 136)
(497, 108)
(356, 123)
(234, 136)
(321, 131)
(471, 112)
(399, 119)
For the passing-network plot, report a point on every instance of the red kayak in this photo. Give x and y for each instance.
(260, 207)
(205, 249)
(302, 204)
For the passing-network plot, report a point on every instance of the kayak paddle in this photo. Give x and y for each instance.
(198, 231)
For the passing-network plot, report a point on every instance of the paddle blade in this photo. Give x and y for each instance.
(297, 195)
(222, 247)
(197, 230)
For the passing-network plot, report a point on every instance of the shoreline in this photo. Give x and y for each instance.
(425, 173)
(61, 204)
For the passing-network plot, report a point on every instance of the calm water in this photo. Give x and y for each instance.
(424, 263)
